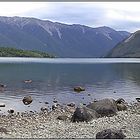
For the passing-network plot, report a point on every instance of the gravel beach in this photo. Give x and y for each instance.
(46, 125)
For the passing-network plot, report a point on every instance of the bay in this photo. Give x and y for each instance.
(56, 78)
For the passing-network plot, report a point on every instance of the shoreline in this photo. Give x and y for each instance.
(45, 124)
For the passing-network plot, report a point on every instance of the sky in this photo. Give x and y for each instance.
(117, 15)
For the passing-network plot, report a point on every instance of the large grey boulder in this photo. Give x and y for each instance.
(110, 134)
(104, 107)
(82, 114)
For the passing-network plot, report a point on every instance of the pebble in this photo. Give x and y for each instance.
(46, 102)
(2, 105)
(40, 125)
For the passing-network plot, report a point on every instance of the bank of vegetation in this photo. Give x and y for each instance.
(13, 52)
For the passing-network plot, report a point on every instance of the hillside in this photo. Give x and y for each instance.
(130, 47)
(12, 52)
(55, 38)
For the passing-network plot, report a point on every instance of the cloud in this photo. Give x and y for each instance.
(18, 8)
(80, 12)
(118, 15)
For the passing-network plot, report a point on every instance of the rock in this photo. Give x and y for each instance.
(2, 105)
(18, 113)
(120, 100)
(62, 117)
(121, 107)
(27, 100)
(56, 106)
(11, 111)
(138, 99)
(3, 130)
(27, 81)
(46, 102)
(55, 101)
(3, 86)
(71, 104)
(95, 100)
(79, 89)
(105, 107)
(82, 114)
(44, 109)
(121, 104)
(110, 134)
(70, 109)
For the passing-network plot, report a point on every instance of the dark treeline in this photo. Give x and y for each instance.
(12, 52)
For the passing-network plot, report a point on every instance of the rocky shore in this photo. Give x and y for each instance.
(57, 124)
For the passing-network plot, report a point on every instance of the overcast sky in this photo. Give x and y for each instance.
(118, 15)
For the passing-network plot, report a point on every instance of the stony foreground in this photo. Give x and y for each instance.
(46, 125)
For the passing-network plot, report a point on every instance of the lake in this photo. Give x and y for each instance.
(56, 78)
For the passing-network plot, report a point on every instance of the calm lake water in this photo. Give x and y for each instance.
(56, 78)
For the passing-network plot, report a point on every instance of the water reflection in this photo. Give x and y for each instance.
(50, 80)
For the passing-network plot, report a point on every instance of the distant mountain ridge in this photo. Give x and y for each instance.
(59, 39)
(129, 48)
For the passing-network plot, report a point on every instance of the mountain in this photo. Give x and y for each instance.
(59, 39)
(130, 47)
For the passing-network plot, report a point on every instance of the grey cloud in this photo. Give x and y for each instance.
(85, 14)
(126, 25)
(71, 13)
